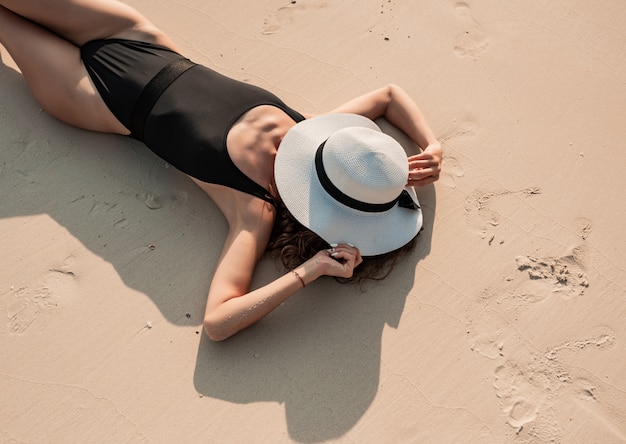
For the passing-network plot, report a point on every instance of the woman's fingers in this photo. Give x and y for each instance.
(425, 167)
(418, 164)
(344, 258)
(417, 177)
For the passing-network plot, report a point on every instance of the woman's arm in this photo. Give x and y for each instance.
(395, 105)
(231, 306)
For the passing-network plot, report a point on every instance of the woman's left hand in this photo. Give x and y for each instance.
(425, 167)
(339, 260)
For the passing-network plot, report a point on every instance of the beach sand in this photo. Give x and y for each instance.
(507, 324)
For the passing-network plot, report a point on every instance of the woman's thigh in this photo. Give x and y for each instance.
(55, 74)
(80, 21)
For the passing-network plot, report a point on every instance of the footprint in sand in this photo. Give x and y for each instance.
(472, 41)
(284, 16)
(527, 397)
(562, 275)
(47, 294)
(604, 338)
(452, 170)
(457, 129)
(534, 395)
(589, 397)
(521, 395)
(478, 211)
(538, 279)
(486, 346)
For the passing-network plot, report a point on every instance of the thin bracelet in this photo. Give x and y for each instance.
(299, 278)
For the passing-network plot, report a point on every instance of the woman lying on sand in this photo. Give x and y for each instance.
(327, 194)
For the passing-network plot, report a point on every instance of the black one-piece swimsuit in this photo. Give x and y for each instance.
(182, 111)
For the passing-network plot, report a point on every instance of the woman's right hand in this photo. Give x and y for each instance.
(338, 261)
(425, 167)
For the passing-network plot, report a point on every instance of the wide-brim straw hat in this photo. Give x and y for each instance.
(344, 179)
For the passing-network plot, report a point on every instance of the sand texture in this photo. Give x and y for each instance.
(507, 324)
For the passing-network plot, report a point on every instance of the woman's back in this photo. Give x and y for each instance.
(187, 116)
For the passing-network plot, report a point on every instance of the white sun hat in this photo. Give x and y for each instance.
(344, 179)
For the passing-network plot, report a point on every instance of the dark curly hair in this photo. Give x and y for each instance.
(292, 243)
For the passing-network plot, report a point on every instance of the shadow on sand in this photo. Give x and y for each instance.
(320, 353)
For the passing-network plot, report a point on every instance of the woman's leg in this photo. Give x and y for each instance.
(55, 74)
(80, 21)
(44, 37)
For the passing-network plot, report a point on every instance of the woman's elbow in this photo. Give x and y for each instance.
(215, 330)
